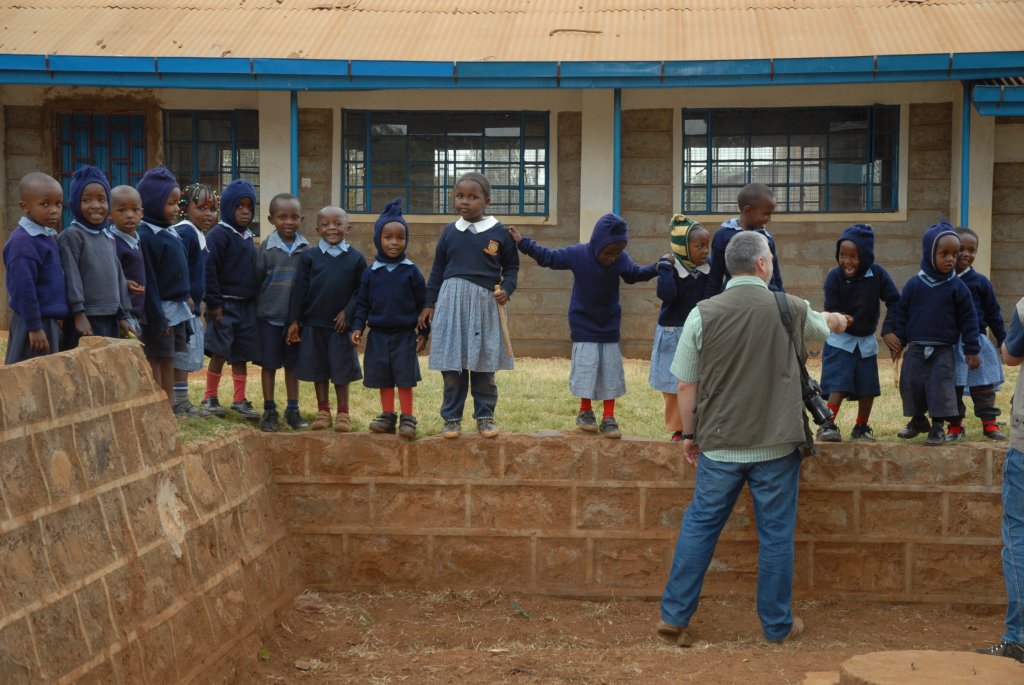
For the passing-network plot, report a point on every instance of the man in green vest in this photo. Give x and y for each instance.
(742, 410)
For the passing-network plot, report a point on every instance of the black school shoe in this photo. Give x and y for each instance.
(1013, 650)
(610, 428)
(586, 421)
(245, 410)
(384, 423)
(914, 427)
(829, 432)
(862, 431)
(936, 436)
(407, 427)
(270, 423)
(995, 434)
(294, 419)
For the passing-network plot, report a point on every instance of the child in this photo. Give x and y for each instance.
(322, 304)
(277, 260)
(167, 280)
(985, 380)
(849, 360)
(34, 277)
(125, 215)
(97, 290)
(757, 204)
(231, 298)
(595, 313)
(473, 256)
(934, 310)
(392, 293)
(197, 212)
(680, 286)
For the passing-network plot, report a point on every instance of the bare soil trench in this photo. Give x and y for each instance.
(493, 637)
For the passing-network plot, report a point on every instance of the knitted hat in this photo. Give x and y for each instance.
(610, 228)
(929, 243)
(233, 194)
(154, 187)
(680, 228)
(81, 178)
(392, 212)
(863, 236)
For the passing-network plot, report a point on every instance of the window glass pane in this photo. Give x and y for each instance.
(179, 126)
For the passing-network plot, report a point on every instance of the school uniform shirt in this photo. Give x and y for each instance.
(679, 289)
(719, 275)
(482, 253)
(986, 305)
(195, 248)
(391, 297)
(133, 264)
(230, 265)
(34, 275)
(167, 278)
(95, 283)
(275, 268)
(326, 282)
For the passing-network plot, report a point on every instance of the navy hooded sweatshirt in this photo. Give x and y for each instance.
(860, 296)
(230, 271)
(595, 314)
(718, 276)
(936, 308)
(986, 304)
(167, 278)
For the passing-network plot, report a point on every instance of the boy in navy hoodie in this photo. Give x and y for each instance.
(757, 204)
(849, 361)
(934, 313)
(595, 315)
(231, 298)
(125, 215)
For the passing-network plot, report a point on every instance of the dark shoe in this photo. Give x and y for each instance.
(187, 410)
(936, 436)
(1013, 650)
(914, 428)
(862, 431)
(829, 432)
(677, 436)
(610, 428)
(995, 434)
(487, 427)
(677, 635)
(212, 405)
(246, 410)
(407, 427)
(956, 436)
(384, 423)
(452, 428)
(294, 419)
(796, 631)
(586, 421)
(271, 421)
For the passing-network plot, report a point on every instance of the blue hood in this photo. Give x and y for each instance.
(233, 194)
(929, 241)
(154, 187)
(863, 236)
(83, 177)
(392, 212)
(610, 228)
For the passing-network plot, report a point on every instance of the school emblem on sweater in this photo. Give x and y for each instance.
(492, 248)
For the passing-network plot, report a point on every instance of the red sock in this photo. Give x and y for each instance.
(212, 384)
(609, 408)
(343, 408)
(585, 404)
(956, 426)
(405, 400)
(862, 420)
(989, 425)
(323, 406)
(387, 400)
(238, 379)
(835, 410)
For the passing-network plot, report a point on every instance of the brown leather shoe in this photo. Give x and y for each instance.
(795, 631)
(342, 423)
(322, 421)
(677, 635)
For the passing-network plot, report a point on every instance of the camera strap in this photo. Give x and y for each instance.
(787, 321)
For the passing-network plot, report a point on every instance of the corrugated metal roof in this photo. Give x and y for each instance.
(512, 30)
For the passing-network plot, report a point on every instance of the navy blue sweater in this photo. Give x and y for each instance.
(860, 295)
(985, 304)
(678, 295)
(133, 264)
(595, 314)
(229, 266)
(936, 315)
(719, 275)
(486, 259)
(166, 272)
(324, 286)
(35, 278)
(390, 301)
(196, 262)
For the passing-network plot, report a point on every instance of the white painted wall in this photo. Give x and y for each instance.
(275, 148)
(980, 174)
(597, 155)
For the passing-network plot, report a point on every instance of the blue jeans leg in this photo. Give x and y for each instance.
(1013, 543)
(718, 486)
(485, 394)
(773, 485)
(456, 387)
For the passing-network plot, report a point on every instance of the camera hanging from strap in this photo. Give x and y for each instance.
(806, 383)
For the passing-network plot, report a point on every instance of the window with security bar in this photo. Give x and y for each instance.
(213, 146)
(815, 159)
(418, 156)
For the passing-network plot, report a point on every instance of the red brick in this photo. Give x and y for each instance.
(202, 483)
(824, 512)
(253, 459)
(140, 502)
(561, 563)
(167, 578)
(357, 455)
(117, 522)
(58, 458)
(547, 458)
(864, 567)
(76, 541)
(193, 636)
(23, 482)
(665, 506)
(901, 515)
(230, 545)
(116, 370)
(229, 471)
(157, 431)
(974, 570)
(128, 663)
(608, 508)
(388, 559)
(17, 659)
(158, 651)
(481, 562)
(126, 587)
(204, 551)
(126, 441)
(254, 515)
(288, 453)
(470, 457)
(954, 465)
(326, 505)
(229, 606)
(97, 451)
(520, 507)
(844, 464)
(632, 565)
(322, 560)
(101, 674)
(173, 481)
(95, 611)
(647, 460)
(975, 515)
(69, 390)
(59, 637)
(24, 395)
(419, 506)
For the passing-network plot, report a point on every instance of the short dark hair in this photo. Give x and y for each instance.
(282, 197)
(477, 178)
(963, 230)
(33, 181)
(753, 194)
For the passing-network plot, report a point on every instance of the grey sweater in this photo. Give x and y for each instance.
(92, 273)
(275, 273)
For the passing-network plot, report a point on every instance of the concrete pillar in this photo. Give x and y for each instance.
(597, 158)
(275, 150)
(981, 169)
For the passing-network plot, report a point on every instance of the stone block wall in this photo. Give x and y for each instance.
(125, 558)
(1008, 234)
(316, 128)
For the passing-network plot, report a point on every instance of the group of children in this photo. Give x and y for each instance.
(144, 261)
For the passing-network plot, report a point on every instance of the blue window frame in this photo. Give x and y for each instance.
(213, 146)
(418, 155)
(815, 159)
(116, 143)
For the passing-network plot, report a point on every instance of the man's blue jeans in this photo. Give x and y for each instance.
(773, 485)
(1013, 543)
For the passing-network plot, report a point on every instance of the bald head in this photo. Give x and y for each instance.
(37, 183)
(123, 193)
(332, 211)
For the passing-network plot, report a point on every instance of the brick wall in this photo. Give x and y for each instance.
(123, 557)
(1008, 234)
(315, 153)
(581, 516)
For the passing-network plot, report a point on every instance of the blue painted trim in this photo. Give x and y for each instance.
(965, 157)
(294, 122)
(1007, 101)
(617, 153)
(199, 65)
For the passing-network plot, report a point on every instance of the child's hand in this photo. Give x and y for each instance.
(849, 320)
(126, 329)
(426, 317)
(293, 334)
(893, 343)
(514, 232)
(82, 324)
(500, 296)
(357, 337)
(973, 361)
(136, 289)
(339, 322)
(38, 342)
(215, 315)
(421, 343)
(665, 262)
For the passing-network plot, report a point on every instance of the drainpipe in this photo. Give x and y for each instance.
(617, 153)
(295, 142)
(965, 157)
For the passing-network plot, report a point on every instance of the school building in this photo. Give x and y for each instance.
(893, 112)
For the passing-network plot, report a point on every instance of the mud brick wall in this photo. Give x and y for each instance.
(123, 557)
(580, 516)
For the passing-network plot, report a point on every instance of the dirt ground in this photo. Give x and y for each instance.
(492, 637)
